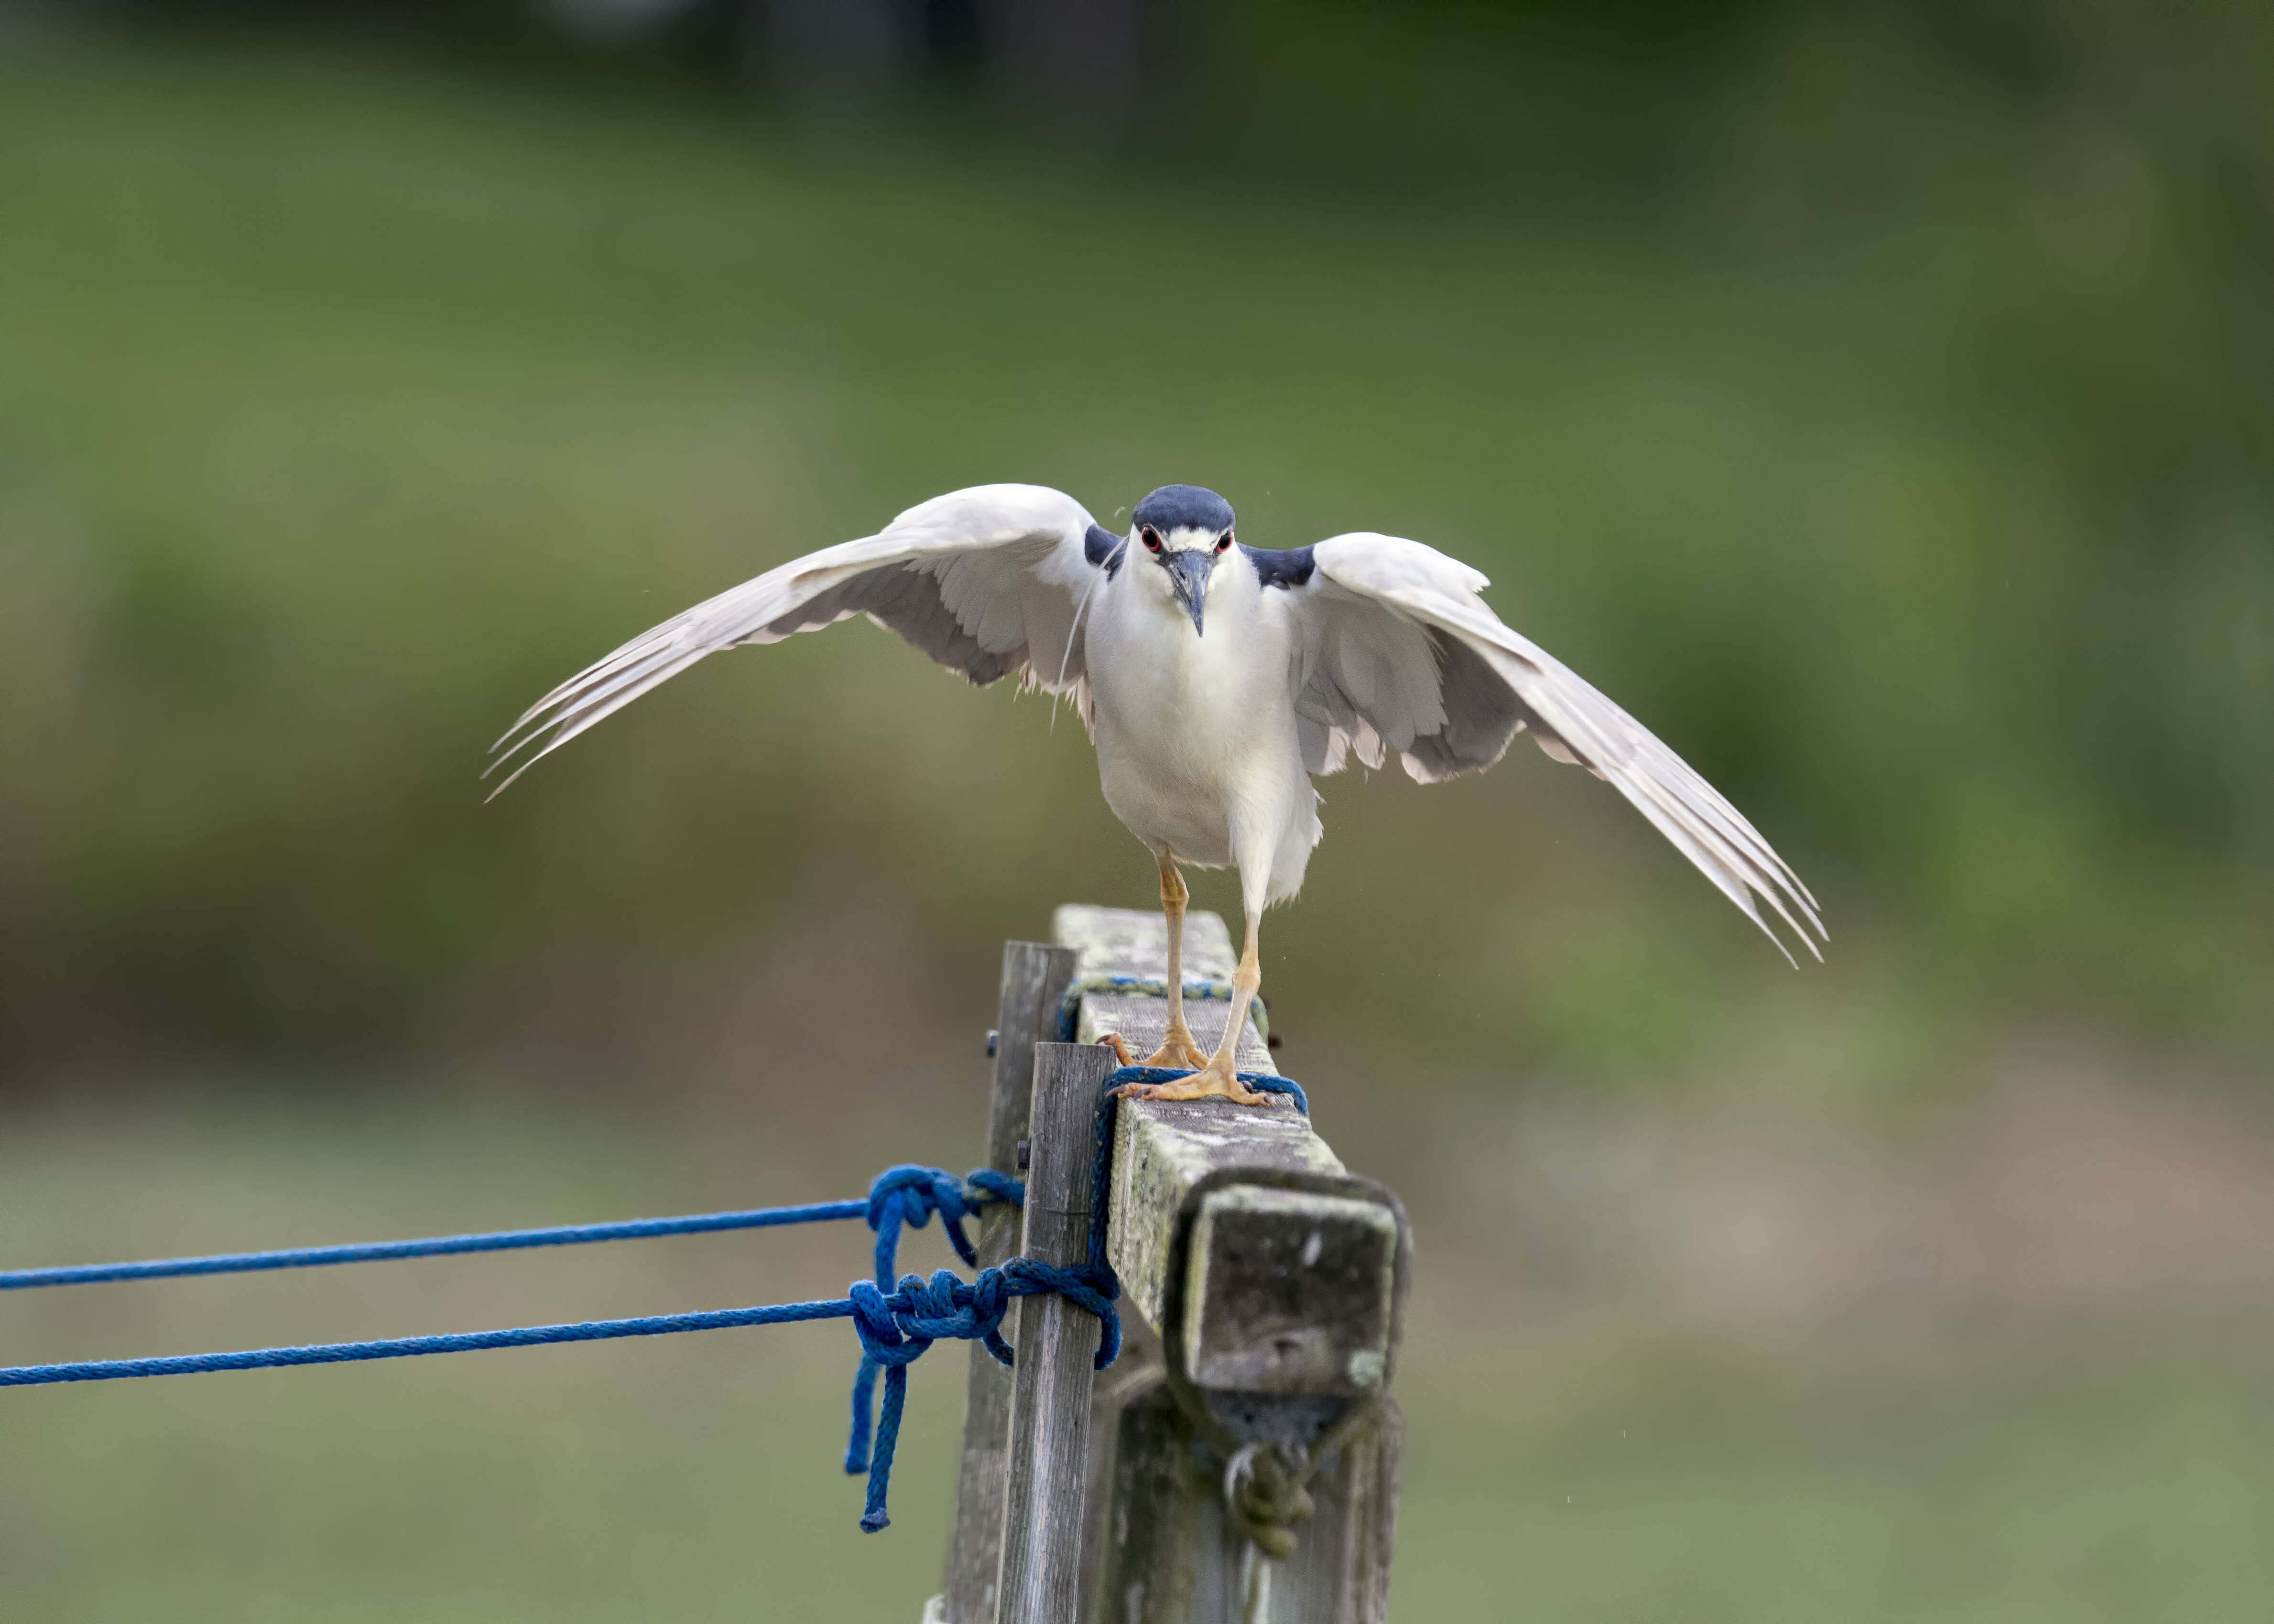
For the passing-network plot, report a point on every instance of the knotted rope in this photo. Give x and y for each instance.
(896, 1323)
(898, 1329)
(890, 1343)
(1267, 1489)
(944, 1307)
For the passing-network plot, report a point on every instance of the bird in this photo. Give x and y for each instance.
(1217, 680)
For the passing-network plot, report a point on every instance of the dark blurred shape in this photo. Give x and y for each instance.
(828, 49)
(953, 35)
(1076, 61)
(1072, 63)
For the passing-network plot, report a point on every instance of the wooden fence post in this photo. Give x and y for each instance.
(1264, 1288)
(1055, 1342)
(1035, 977)
(1272, 1283)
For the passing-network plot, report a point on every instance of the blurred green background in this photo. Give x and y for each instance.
(1878, 399)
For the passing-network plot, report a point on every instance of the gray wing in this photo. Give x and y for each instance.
(989, 581)
(1401, 653)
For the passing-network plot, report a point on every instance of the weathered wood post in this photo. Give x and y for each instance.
(1035, 977)
(1273, 1284)
(1057, 1342)
(1242, 1456)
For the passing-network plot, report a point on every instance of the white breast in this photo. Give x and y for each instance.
(1197, 748)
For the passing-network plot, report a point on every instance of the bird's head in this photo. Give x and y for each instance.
(1185, 529)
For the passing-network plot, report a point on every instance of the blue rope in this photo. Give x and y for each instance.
(895, 1329)
(979, 1188)
(436, 1246)
(912, 1194)
(412, 1346)
(909, 1195)
(895, 1326)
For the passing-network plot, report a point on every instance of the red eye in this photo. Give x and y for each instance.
(1152, 538)
(1223, 541)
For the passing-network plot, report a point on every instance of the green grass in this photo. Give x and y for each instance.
(2001, 1495)
(1637, 1478)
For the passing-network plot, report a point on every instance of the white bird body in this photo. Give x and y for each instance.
(1198, 751)
(1217, 680)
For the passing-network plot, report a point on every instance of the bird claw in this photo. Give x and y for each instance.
(1215, 1080)
(1178, 1052)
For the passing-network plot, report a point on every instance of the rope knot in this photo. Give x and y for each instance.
(896, 1326)
(909, 1195)
(1088, 1286)
(884, 1342)
(1265, 1492)
(929, 1310)
(990, 1300)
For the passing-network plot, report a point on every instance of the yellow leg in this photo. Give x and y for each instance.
(1218, 1079)
(1177, 1048)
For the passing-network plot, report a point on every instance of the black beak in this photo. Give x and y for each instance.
(1188, 573)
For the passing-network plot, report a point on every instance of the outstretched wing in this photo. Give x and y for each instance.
(1401, 653)
(989, 581)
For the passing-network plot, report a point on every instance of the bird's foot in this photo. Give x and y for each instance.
(1178, 1052)
(1215, 1080)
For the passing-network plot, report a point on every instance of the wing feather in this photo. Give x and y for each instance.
(987, 581)
(1382, 592)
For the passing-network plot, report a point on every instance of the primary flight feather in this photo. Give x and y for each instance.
(1216, 679)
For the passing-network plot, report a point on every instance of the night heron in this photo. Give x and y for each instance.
(1216, 680)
